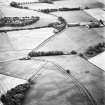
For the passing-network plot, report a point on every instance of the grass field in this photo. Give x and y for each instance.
(18, 43)
(100, 31)
(53, 87)
(22, 69)
(70, 40)
(75, 16)
(98, 13)
(91, 76)
(69, 3)
(82, 3)
(29, 39)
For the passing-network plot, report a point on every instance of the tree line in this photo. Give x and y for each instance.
(16, 95)
(18, 21)
(60, 9)
(95, 50)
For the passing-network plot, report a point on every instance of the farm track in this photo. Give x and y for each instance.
(47, 40)
(35, 75)
(77, 83)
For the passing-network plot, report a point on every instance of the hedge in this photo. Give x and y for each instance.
(49, 53)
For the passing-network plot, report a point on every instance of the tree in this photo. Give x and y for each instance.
(16, 95)
(14, 4)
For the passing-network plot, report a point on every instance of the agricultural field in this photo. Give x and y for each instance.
(68, 39)
(23, 42)
(44, 19)
(69, 3)
(51, 60)
(98, 13)
(52, 84)
(9, 82)
(75, 16)
(82, 70)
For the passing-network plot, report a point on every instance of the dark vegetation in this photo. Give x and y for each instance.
(14, 4)
(14, 21)
(59, 26)
(61, 9)
(16, 95)
(21, 3)
(81, 55)
(94, 50)
(49, 53)
(68, 71)
(73, 52)
(87, 72)
(18, 21)
(94, 25)
(73, 25)
(17, 5)
(46, 1)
